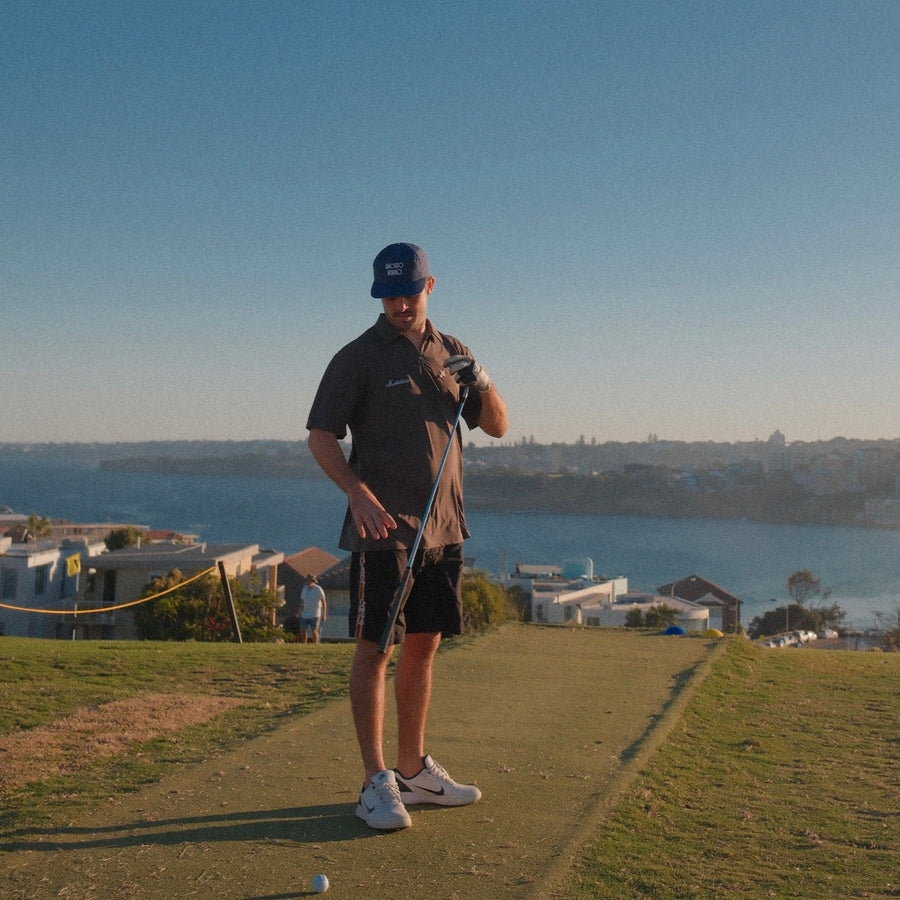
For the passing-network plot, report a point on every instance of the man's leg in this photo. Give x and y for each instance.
(380, 805)
(420, 779)
(367, 699)
(412, 687)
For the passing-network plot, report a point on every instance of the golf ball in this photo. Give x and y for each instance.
(320, 884)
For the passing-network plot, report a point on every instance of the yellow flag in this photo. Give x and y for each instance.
(73, 565)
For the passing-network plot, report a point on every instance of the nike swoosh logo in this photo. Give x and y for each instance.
(439, 793)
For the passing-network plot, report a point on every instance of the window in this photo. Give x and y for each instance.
(109, 587)
(41, 577)
(9, 583)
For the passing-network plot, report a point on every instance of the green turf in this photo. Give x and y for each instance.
(627, 765)
(781, 780)
(43, 681)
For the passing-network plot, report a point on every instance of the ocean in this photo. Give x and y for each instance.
(861, 566)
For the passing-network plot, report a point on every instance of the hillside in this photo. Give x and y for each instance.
(827, 482)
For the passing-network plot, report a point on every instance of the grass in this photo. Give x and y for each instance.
(780, 781)
(43, 681)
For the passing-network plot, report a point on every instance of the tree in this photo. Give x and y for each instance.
(781, 619)
(829, 616)
(39, 526)
(198, 611)
(798, 617)
(891, 625)
(519, 600)
(658, 616)
(119, 538)
(485, 602)
(661, 616)
(803, 586)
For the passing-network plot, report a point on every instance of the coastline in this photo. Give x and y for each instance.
(654, 493)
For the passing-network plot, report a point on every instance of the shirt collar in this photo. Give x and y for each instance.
(388, 333)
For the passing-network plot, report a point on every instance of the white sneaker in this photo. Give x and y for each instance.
(434, 785)
(380, 805)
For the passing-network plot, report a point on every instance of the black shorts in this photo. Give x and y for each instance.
(434, 604)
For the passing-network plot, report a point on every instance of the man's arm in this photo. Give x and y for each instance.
(493, 418)
(369, 516)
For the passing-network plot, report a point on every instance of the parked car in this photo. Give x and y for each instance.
(780, 640)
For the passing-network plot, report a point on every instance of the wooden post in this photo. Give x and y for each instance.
(229, 599)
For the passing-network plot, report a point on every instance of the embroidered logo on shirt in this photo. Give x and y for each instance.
(396, 382)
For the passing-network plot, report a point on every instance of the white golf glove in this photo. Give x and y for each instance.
(467, 372)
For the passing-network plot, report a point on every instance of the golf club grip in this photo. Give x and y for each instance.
(400, 598)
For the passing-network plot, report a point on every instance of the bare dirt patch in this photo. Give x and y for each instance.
(98, 732)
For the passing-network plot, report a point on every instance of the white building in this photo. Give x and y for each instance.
(560, 594)
(570, 594)
(692, 617)
(121, 576)
(38, 579)
(60, 589)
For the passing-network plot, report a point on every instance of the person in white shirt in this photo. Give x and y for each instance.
(313, 610)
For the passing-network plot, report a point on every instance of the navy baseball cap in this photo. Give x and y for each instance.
(401, 270)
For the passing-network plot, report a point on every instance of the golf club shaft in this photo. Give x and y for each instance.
(406, 583)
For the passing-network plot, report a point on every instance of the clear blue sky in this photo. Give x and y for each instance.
(671, 217)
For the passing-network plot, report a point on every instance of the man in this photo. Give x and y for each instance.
(313, 610)
(396, 388)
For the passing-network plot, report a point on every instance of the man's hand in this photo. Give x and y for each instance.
(466, 371)
(370, 517)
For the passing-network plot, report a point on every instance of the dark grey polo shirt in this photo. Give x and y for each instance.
(398, 405)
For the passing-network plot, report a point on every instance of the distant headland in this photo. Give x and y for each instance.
(837, 482)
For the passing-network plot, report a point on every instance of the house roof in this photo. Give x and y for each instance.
(336, 577)
(187, 557)
(293, 571)
(159, 535)
(311, 561)
(695, 588)
(537, 570)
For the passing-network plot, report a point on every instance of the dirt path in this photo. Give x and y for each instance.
(549, 722)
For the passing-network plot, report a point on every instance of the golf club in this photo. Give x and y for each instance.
(406, 582)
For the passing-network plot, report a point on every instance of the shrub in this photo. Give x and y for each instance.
(519, 601)
(634, 618)
(198, 611)
(485, 602)
(780, 619)
(659, 616)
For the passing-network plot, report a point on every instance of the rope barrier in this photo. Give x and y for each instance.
(106, 609)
